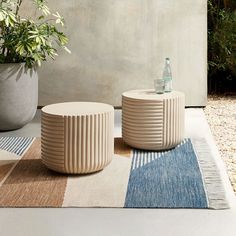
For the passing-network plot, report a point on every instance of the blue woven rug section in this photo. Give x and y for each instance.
(169, 179)
(16, 145)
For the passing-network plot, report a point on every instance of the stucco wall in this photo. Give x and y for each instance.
(118, 45)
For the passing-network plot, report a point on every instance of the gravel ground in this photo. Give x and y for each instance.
(221, 115)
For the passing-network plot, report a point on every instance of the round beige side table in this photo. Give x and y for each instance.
(152, 121)
(77, 137)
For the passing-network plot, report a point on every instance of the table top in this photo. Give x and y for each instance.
(150, 94)
(77, 108)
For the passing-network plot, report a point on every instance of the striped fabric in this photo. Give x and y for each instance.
(142, 157)
(183, 177)
(16, 145)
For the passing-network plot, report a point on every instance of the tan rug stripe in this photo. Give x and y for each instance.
(4, 169)
(31, 184)
(121, 148)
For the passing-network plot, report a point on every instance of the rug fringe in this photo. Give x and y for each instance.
(211, 175)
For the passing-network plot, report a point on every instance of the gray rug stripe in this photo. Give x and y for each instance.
(211, 175)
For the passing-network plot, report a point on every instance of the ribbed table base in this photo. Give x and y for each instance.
(77, 144)
(151, 121)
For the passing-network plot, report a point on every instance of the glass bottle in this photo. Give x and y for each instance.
(167, 76)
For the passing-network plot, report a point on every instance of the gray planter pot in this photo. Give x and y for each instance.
(18, 95)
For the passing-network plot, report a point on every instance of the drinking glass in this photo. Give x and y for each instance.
(159, 85)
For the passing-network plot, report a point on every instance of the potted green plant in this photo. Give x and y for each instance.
(24, 45)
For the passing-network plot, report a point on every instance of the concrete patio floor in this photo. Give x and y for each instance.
(112, 222)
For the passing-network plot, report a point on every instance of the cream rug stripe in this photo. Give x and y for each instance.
(105, 188)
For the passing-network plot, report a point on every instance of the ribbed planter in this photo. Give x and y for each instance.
(18, 95)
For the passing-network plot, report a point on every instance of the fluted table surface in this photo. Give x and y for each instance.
(150, 95)
(77, 108)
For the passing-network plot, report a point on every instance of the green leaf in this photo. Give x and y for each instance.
(33, 36)
(7, 21)
(62, 38)
(42, 40)
(37, 39)
(12, 16)
(41, 17)
(2, 16)
(56, 15)
(46, 11)
(21, 51)
(67, 49)
(34, 46)
(29, 48)
(58, 21)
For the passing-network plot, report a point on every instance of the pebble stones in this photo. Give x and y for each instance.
(220, 113)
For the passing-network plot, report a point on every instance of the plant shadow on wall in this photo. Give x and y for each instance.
(24, 44)
(221, 46)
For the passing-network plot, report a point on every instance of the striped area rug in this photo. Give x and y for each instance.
(184, 177)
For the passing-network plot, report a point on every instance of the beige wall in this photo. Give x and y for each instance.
(118, 45)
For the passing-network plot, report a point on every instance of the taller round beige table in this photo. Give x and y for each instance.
(152, 121)
(77, 137)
